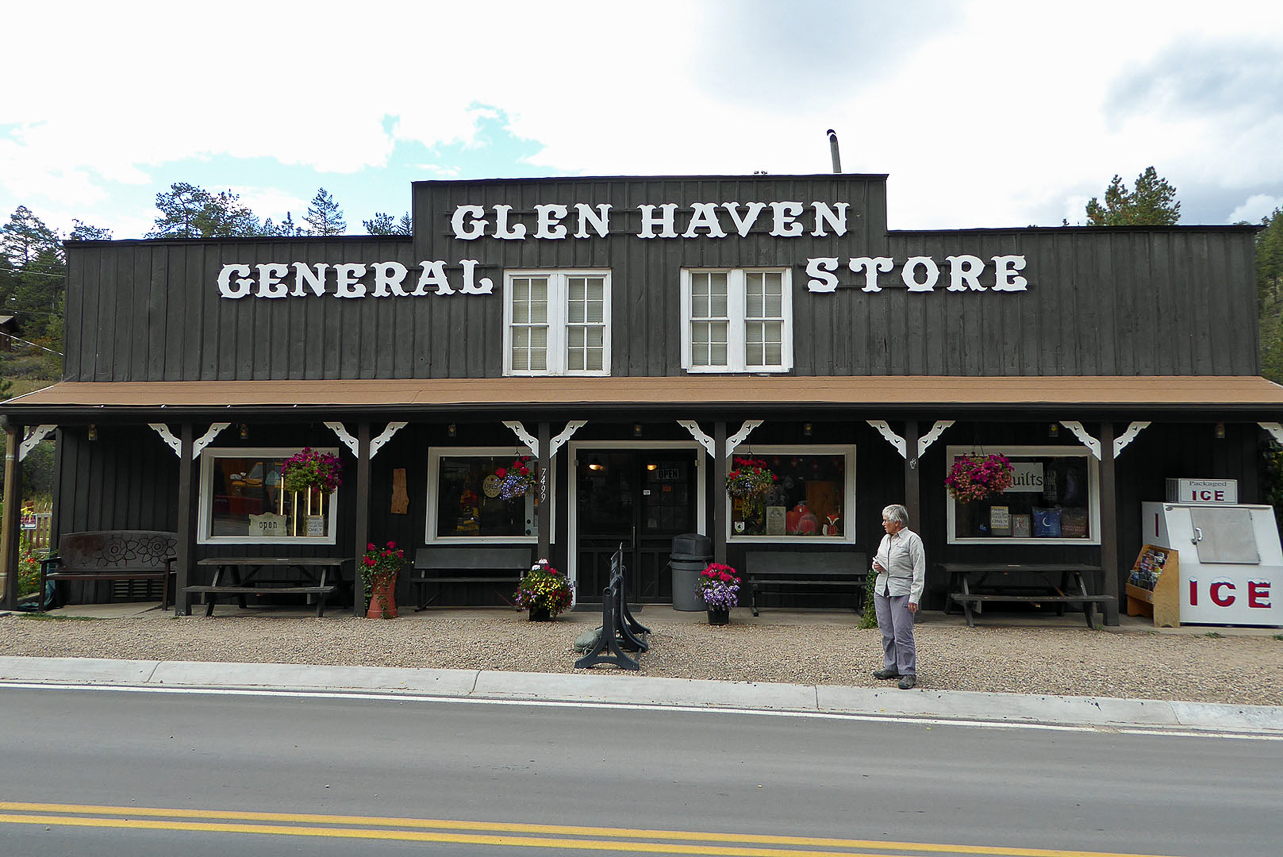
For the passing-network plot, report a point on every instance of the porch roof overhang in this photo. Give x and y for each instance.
(1176, 397)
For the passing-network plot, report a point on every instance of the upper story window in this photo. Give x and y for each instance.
(557, 323)
(737, 320)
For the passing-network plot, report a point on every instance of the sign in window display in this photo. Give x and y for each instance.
(243, 501)
(486, 496)
(809, 499)
(1053, 498)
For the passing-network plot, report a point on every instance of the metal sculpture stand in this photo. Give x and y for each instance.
(620, 632)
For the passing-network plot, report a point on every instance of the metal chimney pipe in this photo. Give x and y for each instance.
(833, 150)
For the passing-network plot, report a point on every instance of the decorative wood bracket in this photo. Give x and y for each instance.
(38, 434)
(168, 437)
(566, 434)
(388, 434)
(345, 437)
(740, 436)
(1275, 430)
(1083, 436)
(924, 442)
(524, 436)
(710, 445)
(1128, 436)
(891, 437)
(206, 439)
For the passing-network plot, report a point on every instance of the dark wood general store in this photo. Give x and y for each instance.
(633, 336)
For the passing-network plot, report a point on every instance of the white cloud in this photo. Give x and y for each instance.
(1255, 208)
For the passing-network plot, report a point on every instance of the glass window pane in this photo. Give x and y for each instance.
(806, 500)
(464, 507)
(246, 500)
(1050, 498)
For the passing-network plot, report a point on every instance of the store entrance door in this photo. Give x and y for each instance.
(639, 498)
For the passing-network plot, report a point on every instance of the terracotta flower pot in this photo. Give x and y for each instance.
(382, 600)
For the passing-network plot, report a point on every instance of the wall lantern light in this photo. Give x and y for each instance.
(806, 429)
(1220, 431)
(450, 430)
(637, 430)
(93, 432)
(244, 432)
(1053, 430)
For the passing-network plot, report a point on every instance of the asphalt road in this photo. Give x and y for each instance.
(110, 772)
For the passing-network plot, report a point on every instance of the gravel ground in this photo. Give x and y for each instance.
(1048, 656)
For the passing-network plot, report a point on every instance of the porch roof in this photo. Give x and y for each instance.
(1061, 396)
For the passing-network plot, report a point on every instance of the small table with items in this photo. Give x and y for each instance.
(972, 584)
(315, 576)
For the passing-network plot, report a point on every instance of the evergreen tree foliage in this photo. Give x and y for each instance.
(287, 228)
(324, 217)
(81, 231)
(1152, 202)
(189, 211)
(385, 224)
(1269, 291)
(25, 237)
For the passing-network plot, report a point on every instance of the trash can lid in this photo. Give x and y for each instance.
(693, 545)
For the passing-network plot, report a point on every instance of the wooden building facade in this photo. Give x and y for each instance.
(633, 337)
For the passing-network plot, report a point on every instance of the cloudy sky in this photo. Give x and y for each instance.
(983, 113)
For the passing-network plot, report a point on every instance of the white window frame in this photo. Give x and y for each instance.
(557, 298)
(436, 453)
(848, 493)
(205, 503)
(735, 308)
(1015, 451)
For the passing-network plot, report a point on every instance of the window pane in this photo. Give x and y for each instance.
(1050, 498)
(246, 500)
(806, 500)
(465, 506)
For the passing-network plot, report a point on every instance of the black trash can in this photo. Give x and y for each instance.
(691, 553)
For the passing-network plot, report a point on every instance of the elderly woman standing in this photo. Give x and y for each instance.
(901, 564)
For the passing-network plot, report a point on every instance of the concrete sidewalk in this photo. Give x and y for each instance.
(633, 690)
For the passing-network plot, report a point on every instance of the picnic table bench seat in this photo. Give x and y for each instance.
(305, 582)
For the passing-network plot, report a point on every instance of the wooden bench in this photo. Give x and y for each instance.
(493, 566)
(114, 555)
(805, 570)
(304, 583)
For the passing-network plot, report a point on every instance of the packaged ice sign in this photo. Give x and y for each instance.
(1231, 561)
(1202, 490)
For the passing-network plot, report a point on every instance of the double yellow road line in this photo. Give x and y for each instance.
(493, 833)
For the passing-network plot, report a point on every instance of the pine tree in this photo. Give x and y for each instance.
(1151, 203)
(324, 215)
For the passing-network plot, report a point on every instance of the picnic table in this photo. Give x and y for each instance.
(238, 576)
(973, 584)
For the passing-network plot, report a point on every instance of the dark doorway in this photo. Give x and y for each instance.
(638, 498)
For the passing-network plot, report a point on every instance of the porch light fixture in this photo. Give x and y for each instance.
(244, 432)
(93, 432)
(450, 431)
(1220, 431)
(1053, 430)
(637, 430)
(806, 429)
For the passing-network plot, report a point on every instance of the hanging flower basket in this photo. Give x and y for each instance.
(310, 469)
(977, 477)
(516, 480)
(750, 479)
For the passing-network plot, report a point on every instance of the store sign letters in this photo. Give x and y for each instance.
(582, 221)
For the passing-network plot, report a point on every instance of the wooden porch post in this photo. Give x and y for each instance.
(544, 513)
(719, 492)
(912, 480)
(1108, 515)
(362, 508)
(12, 516)
(186, 517)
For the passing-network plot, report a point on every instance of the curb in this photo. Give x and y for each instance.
(618, 689)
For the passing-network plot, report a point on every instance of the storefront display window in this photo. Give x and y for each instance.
(1053, 498)
(813, 496)
(242, 501)
(482, 494)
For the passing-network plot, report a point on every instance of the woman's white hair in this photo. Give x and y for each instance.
(896, 514)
